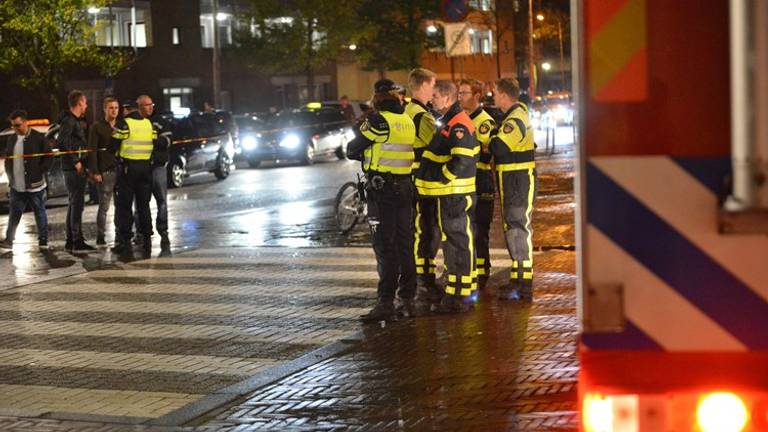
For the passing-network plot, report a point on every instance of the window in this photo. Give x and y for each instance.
(114, 25)
(481, 41)
(224, 22)
(483, 5)
(176, 36)
(178, 97)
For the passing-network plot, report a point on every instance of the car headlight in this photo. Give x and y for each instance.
(290, 141)
(249, 142)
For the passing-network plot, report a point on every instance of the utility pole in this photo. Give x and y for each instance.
(215, 57)
(562, 60)
(531, 66)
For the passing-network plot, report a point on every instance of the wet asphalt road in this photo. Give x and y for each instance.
(275, 205)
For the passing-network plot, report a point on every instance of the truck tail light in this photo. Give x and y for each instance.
(721, 412)
(597, 413)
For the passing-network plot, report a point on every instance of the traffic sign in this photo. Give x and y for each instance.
(454, 10)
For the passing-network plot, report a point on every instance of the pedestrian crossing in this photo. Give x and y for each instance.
(155, 335)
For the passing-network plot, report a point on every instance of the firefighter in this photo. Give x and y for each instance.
(135, 138)
(447, 174)
(470, 93)
(385, 146)
(427, 236)
(513, 152)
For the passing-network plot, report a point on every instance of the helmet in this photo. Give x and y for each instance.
(386, 86)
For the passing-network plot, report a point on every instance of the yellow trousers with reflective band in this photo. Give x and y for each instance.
(518, 192)
(455, 219)
(426, 239)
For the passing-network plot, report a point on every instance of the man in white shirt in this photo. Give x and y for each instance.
(27, 159)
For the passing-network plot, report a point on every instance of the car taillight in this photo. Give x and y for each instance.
(721, 412)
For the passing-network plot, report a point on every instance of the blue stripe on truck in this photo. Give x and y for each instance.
(670, 256)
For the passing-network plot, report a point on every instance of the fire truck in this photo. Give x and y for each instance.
(672, 115)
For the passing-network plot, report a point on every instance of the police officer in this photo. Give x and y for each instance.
(447, 174)
(427, 237)
(135, 137)
(470, 93)
(385, 146)
(513, 151)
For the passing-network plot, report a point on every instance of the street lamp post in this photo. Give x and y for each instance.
(562, 57)
(216, 67)
(531, 65)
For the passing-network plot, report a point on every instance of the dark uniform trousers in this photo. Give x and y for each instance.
(518, 192)
(455, 221)
(426, 239)
(483, 216)
(134, 181)
(390, 214)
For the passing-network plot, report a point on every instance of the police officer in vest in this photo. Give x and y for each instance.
(470, 93)
(513, 151)
(385, 146)
(135, 138)
(427, 237)
(447, 173)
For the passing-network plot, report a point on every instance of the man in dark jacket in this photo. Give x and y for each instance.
(102, 163)
(73, 164)
(26, 177)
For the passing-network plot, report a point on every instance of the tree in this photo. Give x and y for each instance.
(42, 39)
(394, 36)
(293, 36)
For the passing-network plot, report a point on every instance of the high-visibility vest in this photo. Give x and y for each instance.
(425, 129)
(137, 144)
(514, 147)
(392, 148)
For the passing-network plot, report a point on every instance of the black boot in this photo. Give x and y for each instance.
(383, 311)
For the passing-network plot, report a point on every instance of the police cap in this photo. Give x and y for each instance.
(385, 86)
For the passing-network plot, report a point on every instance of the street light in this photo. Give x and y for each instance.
(93, 10)
(546, 66)
(540, 17)
(353, 47)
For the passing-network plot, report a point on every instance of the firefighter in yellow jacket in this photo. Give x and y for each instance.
(135, 138)
(470, 93)
(427, 236)
(385, 146)
(513, 150)
(447, 173)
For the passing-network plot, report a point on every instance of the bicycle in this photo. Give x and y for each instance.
(351, 206)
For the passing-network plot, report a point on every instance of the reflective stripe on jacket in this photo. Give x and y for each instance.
(448, 166)
(392, 148)
(137, 139)
(513, 147)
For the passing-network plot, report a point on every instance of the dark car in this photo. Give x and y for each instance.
(250, 128)
(200, 143)
(301, 135)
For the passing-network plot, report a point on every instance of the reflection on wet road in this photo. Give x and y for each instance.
(274, 206)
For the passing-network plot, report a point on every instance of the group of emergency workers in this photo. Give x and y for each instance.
(432, 181)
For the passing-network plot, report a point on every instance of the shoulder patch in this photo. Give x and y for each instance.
(365, 126)
(508, 128)
(484, 128)
(459, 132)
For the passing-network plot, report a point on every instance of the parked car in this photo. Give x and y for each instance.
(54, 177)
(301, 135)
(200, 143)
(359, 107)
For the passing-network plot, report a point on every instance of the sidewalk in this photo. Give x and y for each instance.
(223, 340)
(501, 367)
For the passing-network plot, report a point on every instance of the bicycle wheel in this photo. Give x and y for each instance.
(347, 200)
